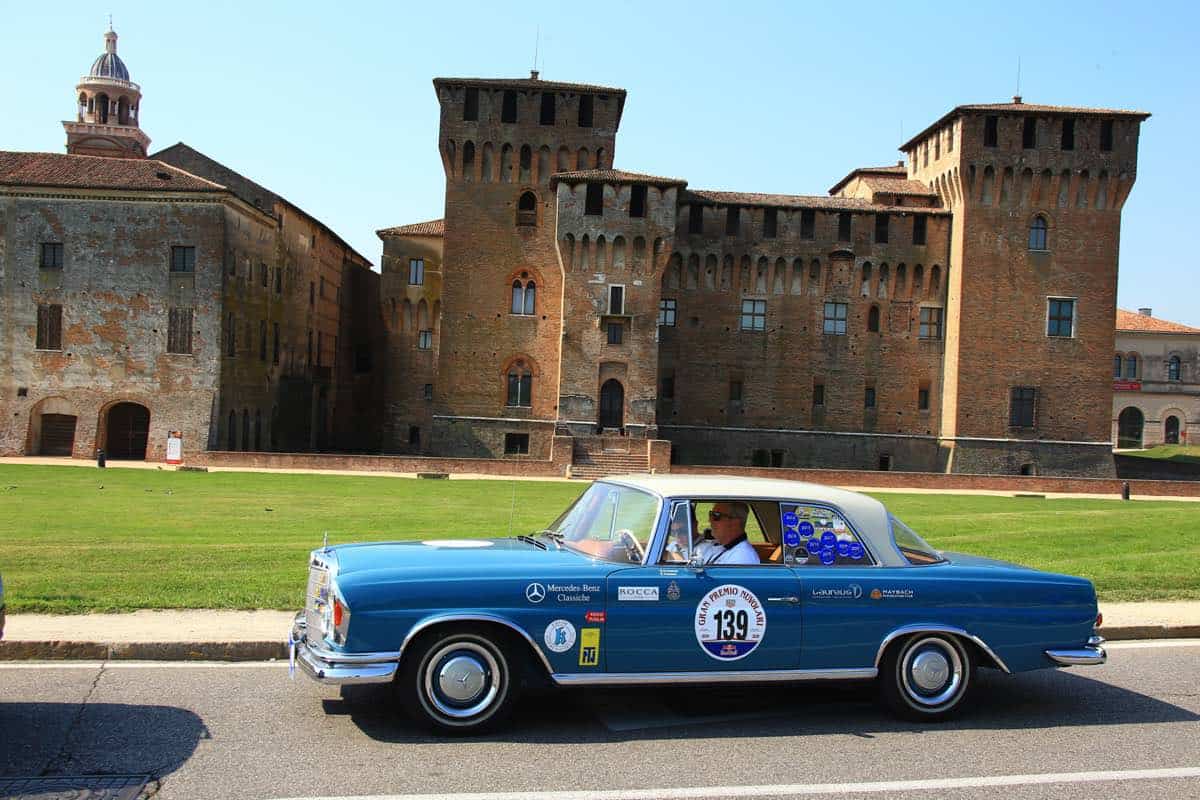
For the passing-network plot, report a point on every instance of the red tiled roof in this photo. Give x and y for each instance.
(797, 201)
(613, 176)
(901, 186)
(526, 83)
(887, 171)
(1023, 107)
(1140, 323)
(98, 172)
(434, 227)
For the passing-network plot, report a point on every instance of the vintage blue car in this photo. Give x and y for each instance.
(633, 585)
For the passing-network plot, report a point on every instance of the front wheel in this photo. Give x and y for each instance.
(458, 682)
(926, 677)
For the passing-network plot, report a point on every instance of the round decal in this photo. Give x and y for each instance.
(790, 537)
(806, 529)
(828, 556)
(560, 636)
(856, 551)
(730, 622)
(843, 549)
(828, 539)
(790, 519)
(814, 546)
(456, 543)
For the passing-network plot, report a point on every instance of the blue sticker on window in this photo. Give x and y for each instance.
(790, 537)
(806, 529)
(828, 556)
(814, 546)
(856, 550)
(790, 519)
(843, 549)
(828, 539)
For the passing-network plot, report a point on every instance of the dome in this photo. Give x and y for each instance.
(109, 65)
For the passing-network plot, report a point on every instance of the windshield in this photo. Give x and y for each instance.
(912, 546)
(609, 522)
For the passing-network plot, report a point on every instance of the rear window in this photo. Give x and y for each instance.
(912, 546)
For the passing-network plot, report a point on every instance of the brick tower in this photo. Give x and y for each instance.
(1036, 193)
(106, 123)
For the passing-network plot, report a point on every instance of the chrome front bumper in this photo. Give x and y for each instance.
(330, 666)
(1093, 653)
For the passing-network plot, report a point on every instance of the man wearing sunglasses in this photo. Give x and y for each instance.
(728, 545)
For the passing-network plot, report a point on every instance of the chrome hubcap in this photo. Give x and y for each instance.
(932, 673)
(930, 670)
(462, 678)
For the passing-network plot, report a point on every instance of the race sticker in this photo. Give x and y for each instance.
(806, 529)
(790, 519)
(730, 622)
(828, 539)
(560, 636)
(791, 537)
(589, 647)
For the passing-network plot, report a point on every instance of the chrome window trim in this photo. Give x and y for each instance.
(475, 617)
(722, 676)
(659, 524)
(906, 630)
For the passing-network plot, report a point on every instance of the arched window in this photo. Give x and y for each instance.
(1171, 430)
(527, 209)
(1037, 233)
(520, 385)
(866, 280)
(1117, 365)
(102, 108)
(1173, 365)
(526, 159)
(468, 164)
(524, 295)
(882, 292)
(1131, 365)
(873, 319)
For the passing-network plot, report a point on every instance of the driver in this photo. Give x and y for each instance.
(729, 544)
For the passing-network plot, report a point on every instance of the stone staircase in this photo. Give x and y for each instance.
(599, 456)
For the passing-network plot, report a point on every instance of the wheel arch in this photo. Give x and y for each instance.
(505, 627)
(985, 654)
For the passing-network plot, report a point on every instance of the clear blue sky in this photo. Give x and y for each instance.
(334, 109)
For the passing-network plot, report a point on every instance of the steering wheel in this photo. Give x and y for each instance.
(633, 548)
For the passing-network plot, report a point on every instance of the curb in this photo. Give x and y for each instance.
(267, 651)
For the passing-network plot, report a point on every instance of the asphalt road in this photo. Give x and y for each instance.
(246, 731)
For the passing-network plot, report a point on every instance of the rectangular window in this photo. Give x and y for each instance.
(616, 299)
(835, 319)
(427, 391)
(49, 327)
(520, 387)
(321, 293)
(1060, 318)
(667, 309)
(1068, 134)
(695, 219)
(594, 201)
(586, 102)
(1106, 135)
(414, 435)
(754, 315)
(1021, 407)
(231, 336)
(818, 395)
(425, 340)
(275, 343)
(869, 397)
(844, 226)
(547, 115)
(919, 229)
(471, 105)
(1029, 133)
(279, 280)
(808, 224)
(516, 444)
(616, 332)
(262, 275)
(991, 131)
(770, 223)
(733, 220)
(931, 323)
(508, 106)
(668, 387)
(179, 331)
(416, 271)
(312, 294)
(881, 228)
(923, 399)
(183, 259)
(637, 200)
(777, 458)
(52, 256)
(309, 359)
(735, 391)
(262, 340)
(320, 347)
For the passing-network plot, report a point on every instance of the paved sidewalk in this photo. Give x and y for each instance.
(261, 635)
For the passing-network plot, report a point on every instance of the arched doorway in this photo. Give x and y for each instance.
(127, 427)
(612, 404)
(1171, 430)
(52, 428)
(1129, 428)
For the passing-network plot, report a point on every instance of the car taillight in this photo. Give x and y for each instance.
(339, 612)
(1099, 620)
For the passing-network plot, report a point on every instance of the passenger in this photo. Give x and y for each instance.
(678, 541)
(729, 544)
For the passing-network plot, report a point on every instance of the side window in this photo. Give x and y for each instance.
(819, 536)
(679, 534)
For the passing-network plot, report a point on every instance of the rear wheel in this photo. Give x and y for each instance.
(458, 681)
(926, 677)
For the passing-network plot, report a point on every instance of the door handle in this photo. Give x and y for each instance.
(789, 599)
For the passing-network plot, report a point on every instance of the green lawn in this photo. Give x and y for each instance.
(1168, 452)
(75, 539)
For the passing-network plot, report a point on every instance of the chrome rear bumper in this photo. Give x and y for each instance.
(330, 666)
(1093, 653)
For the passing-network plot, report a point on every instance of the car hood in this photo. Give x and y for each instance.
(453, 556)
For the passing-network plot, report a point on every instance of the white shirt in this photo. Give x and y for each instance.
(713, 552)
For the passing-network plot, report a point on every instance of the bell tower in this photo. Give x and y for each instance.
(106, 123)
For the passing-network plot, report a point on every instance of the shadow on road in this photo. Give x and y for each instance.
(49, 739)
(1045, 699)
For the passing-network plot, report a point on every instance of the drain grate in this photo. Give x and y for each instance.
(74, 787)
